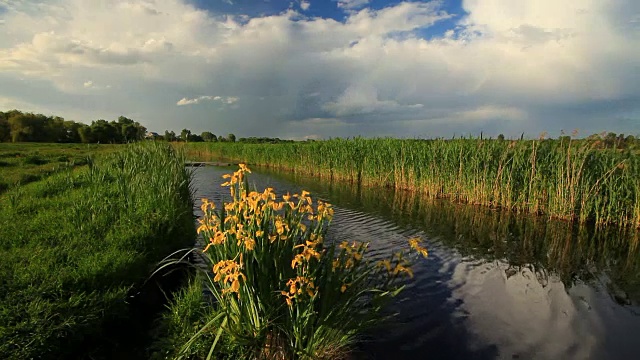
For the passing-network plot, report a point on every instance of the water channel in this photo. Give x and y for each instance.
(496, 285)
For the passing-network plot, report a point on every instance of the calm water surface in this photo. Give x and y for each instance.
(496, 285)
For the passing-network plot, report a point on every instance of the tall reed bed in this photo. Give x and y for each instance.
(77, 247)
(567, 179)
(574, 254)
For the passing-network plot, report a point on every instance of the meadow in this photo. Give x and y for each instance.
(575, 180)
(78, 242)
(23, 163)
(82, 228)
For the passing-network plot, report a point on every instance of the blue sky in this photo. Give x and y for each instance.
(325, 9)
(321, 68)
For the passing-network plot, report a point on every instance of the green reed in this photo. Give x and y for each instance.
(566, 179)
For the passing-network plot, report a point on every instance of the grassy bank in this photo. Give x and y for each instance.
(77, 247)
(568, 179)
(22, 163)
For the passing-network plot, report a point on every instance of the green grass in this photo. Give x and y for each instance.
(77, 246)
(188, 312)
(22, 163)
(569, 179)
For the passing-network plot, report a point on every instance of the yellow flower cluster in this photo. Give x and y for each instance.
(308, 251)
(228, 273)
(297, 287)
(206, 205)
(207, 223)
(325, 211)
(245, 215)
(400, 266)
(415, 244)
(344, 287)
(256, 222)
(353, 251)
(235, 178)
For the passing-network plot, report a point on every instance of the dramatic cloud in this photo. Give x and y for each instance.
(497, 66)
(358, 100)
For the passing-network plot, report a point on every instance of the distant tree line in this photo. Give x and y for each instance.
(603, 140)
(207, 136)
(616, 141)
(187, 136)
(263, 140)
(17, 126)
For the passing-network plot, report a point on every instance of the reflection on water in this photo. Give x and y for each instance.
(496, 284)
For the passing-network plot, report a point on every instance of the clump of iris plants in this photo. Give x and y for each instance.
(280, 288)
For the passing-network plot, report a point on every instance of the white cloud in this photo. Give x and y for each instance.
(352, 4)
(140, 7)
(225, 100)
(323, 122)
(484, 113)
(364, 100)
(529, 65)
(304, 5)
(90, 84)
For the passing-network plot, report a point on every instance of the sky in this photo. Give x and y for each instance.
(311, 69)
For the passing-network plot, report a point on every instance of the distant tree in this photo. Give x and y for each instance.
(130, 130)
(565, 139)
(500, 137)
(184, 134)
(630, 141)
(610, 140)
(72, 134)
(21, 127)
(231, 138)
(208, 136)
(84, 132)
(195, 138)
(5, 131)
(620, 142)
(51, 129)
(261, 140)
(105, 132)
(169, 135)
(594, 137)
(222, 138)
